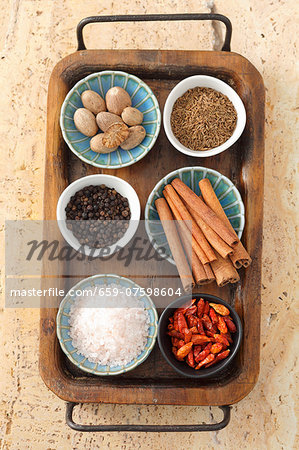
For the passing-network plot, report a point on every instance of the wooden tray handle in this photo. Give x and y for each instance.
(155, 18)
(147, 428)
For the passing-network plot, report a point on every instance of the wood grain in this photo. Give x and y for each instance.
(154, 382)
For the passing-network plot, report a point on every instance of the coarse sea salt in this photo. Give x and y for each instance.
(109, 330)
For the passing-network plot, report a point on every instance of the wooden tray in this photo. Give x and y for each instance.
(154, 382)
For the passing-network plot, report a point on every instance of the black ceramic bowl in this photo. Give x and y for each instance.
(165, 342)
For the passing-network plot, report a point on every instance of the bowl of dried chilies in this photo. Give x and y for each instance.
(199, 337)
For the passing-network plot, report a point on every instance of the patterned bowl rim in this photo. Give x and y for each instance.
(112, 73)
(107, 372)
(192, 169)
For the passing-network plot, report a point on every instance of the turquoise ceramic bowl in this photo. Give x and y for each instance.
(226, 192)
(63, 327)
(142, 98)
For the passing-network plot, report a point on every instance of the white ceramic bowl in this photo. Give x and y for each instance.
(122, 187)
(213, 83)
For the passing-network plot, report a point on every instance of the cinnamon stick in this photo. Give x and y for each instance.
(209, 272)
(183, 230)
(216, 242)
(176, 203)
(224, 271)
(200, 274)
(206, 213)
(182, 224)
(240, 256)
(174, 243)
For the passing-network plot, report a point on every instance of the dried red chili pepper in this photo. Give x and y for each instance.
(187, 335)
(222, 339)
(170, 319)
(200, 326)
(207, 322)
(192, 321)
(181, 322)
(207, 360)
(213, 316)
(184, 350)
(204, 353)
(200, 307)
(190, 359)
(206, 308)
(191, 310)
(216, 348)
(230, 324)
(170, 326)
(223, 355)
(219, 358)
(220, 309)
(199, 339)
(221, 325)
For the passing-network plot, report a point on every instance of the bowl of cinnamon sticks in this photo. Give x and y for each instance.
(195, 218)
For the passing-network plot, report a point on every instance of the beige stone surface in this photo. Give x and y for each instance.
(34, 36)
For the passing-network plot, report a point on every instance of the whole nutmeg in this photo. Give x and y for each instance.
(132, 116)
(136, 136)
(96, 144)
(93, 101)
(117, 99)
(85, 122)
(115, 135)
(106, 119)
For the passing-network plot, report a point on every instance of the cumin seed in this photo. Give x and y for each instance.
(202, 119)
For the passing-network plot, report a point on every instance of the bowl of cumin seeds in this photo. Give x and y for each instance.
(203, 116)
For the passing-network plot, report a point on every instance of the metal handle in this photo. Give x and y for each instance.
(155, 18)
(147, 428)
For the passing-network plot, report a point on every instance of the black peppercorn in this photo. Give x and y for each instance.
(98, 215)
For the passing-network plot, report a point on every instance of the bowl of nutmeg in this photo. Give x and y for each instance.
(110, 119)
(203, 116)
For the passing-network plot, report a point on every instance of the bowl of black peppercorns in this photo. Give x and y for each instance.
(98, 214)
